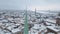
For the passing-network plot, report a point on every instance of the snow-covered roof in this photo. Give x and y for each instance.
(5, 20)
(48, 23)
(53, 28)
(4, 32)
(50, 33)
(57, 16)
(51, 21)
(37, 28)
(16, 30)
(10, 19)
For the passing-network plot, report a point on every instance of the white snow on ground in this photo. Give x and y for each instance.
(17, 24)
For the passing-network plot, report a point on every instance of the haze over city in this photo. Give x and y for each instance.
(31, 4)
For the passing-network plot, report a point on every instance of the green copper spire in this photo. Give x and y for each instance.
(26, 24)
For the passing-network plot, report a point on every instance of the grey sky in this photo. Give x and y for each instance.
(31, 4)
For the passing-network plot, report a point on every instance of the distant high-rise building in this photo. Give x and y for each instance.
(35, 11)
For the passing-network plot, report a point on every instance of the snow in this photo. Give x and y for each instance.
(50, 33)
(58, 17)
(17, 27)
(16, 30)
(53, 28)
(48, 23)
(5, 20)
(51, 21)
(37, 28)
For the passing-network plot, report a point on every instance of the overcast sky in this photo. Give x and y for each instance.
(31, 4)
